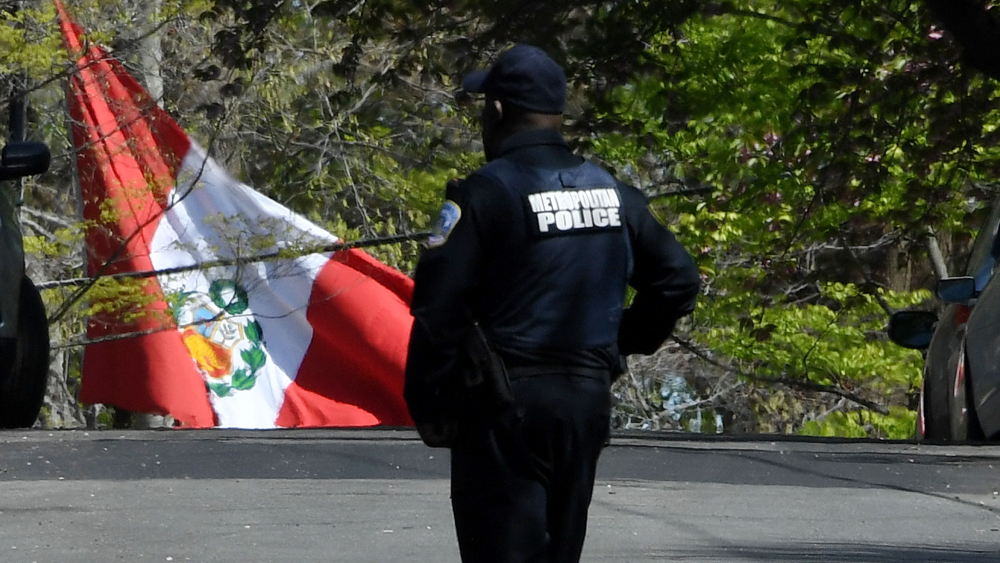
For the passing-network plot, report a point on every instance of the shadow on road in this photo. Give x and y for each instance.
(883, 483)
(839, 553)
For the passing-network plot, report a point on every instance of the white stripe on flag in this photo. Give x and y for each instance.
(212, 216)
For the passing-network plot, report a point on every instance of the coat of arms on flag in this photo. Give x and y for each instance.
(313, 339)
(225, 342)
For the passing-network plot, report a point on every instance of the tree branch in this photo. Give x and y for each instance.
(802, 384)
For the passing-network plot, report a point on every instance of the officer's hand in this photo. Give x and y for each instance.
(437, 434)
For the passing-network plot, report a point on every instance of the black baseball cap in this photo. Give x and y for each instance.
(524, 76)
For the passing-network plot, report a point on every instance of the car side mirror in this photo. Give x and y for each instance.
(959, 290)
(21, 159)
(912, 329)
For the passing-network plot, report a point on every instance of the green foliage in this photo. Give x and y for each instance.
(899, 424)
(835, 341)
(827, 137)
(60, 244)
(27, 43)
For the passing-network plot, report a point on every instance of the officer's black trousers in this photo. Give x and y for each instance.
(522, 481)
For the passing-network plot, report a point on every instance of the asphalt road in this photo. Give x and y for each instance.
(372, 496)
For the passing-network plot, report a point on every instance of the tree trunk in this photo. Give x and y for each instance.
(937, 258)
(63, 409)
(150, 50)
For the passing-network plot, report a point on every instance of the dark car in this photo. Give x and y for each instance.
(24, 332)
(960, 398)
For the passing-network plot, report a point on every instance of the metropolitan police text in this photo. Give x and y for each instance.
(569, 210)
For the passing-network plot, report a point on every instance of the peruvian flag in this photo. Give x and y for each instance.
(316, 340)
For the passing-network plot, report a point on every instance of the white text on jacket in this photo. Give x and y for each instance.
(569, 210)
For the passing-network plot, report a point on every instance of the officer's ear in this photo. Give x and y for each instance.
(491, 114)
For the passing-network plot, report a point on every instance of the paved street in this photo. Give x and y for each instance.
(371, 496)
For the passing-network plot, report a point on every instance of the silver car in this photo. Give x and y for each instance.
(960, 397)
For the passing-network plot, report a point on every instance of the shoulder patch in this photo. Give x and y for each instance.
(450, 214)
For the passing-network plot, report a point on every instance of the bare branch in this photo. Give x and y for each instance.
(240, 261)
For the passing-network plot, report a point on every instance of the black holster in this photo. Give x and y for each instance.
(484, 372)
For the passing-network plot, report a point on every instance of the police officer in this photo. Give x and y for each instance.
(536, 249)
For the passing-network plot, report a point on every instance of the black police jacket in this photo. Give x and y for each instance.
(538, 247)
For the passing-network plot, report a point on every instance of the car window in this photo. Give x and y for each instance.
(984, 252)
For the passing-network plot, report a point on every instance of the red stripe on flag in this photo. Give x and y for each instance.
(394, 280)
(148, 374)
(361, 327)
(129, 154)
(305, 408)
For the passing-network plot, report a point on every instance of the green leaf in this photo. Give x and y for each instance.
(220, 389)
(243, 380)
(229, 296)
(254, 332)
(254, 357)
